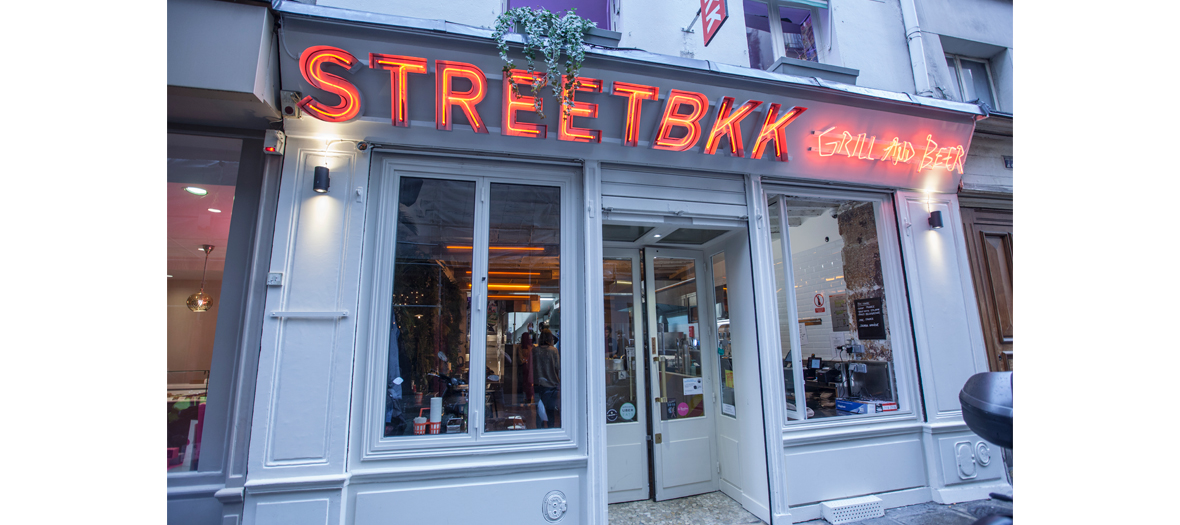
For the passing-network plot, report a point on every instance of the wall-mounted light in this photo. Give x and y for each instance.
(322, 180)
(935, 220)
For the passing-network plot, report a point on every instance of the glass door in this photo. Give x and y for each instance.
(626, 413)
(685, 455)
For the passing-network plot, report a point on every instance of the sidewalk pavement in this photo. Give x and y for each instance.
(716, 508)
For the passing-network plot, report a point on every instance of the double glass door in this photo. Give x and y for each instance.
(660, 371)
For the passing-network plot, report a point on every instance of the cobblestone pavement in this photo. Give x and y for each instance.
(716, 508)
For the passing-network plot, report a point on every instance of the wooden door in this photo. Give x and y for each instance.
(989, 246)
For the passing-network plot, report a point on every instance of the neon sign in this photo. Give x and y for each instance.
(311, 65)
(862, 146)
(679, 128)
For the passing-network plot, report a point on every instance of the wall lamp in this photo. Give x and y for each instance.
(935, 219)
(322, 180)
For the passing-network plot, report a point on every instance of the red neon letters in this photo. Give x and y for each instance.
(444, 97)
(682, 109)
(311, 65)
(636, 94)
(399, 89)
(729, 125)
(691, 121)
(567, 131)
(775, 129)
(861, 147)
(517, 102)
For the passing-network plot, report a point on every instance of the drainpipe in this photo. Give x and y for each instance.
(913, 37)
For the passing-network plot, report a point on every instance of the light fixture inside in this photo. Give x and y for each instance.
(214, 210)
(201, 192)
(200, 301)
(656, 236)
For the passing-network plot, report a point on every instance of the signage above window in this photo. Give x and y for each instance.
(686, 119)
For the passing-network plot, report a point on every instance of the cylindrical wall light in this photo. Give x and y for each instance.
(322, 180)
(935, 219)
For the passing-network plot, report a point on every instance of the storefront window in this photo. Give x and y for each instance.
(427, 380)
(523, 366)
(724, 348)
(202, 182)
(619, 346)
(829, 284)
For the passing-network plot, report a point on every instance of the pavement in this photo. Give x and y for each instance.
(716, 508)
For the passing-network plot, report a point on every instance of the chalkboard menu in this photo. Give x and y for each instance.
(870, 319)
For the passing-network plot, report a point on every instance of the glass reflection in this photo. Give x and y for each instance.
(618, 345)
(523, 329)
(678, 334)
(202, 174)
(429, 342)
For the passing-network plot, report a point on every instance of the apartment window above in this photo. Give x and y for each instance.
(597, 11)
(779, 29)
(972, 80)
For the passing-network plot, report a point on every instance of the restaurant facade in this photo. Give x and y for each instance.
(439, 303)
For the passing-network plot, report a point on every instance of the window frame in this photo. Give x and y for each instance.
(900, 330)
(233, 368)
(962, 86)
(386, 171)
(778, 42)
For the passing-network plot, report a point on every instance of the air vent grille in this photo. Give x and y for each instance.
(852, 509)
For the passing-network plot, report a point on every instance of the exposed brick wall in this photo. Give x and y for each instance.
(862, 271)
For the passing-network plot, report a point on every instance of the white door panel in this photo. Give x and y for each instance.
(682, 342)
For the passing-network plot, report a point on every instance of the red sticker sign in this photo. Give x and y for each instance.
(714, 13)
(819, 303)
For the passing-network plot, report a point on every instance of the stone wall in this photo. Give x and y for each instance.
(862, 271)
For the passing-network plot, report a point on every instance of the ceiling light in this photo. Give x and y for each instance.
(214, 210)
(169, 276)
(196, 191)
(657, 236)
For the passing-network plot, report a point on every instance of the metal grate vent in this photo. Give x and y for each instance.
(852, 509)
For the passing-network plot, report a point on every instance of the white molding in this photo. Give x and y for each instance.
(296, 484)
(470, 469)
(851, 433)
(918, 264)
(769, 352)
(299, 210)
(596, 478)
(972, 492)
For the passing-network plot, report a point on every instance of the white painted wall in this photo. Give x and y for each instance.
(985, 21)
(479, 13)
(870, 38)
(813, 231)
(655, 26)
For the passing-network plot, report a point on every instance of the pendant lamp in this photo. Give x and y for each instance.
(200, 301)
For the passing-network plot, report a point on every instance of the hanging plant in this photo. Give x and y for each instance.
(554, 36)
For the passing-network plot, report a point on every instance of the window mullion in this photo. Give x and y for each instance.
(792, 312)
(776, 30)
(479, 302)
